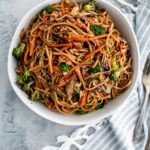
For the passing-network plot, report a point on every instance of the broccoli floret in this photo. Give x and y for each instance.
(98, 68)
(114, 75)
(115, 66)
(64, 67)
(26, 74)
(20, 79)
(109, 48)
(27, 86)
(90, 6)
(35, 96)
(81, 112)
(49, 9)
(100, 106)
(97, 29)
(18, 51)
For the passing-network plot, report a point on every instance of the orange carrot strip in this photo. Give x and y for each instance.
(98, 37)
(50, 105)
(36, 68)
(79, 75)
(32, 46)
(65, 48)
(56, 69)
(84, 98)
(73, 36)
(32, 42)
(71, 70)
(77, 45)
(76, 37)
(63, 82)
(94, 52)
(90, 20)
(26, 53)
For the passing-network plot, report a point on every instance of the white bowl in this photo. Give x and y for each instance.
(124, 27)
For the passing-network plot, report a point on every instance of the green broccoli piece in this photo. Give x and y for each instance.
(114, 75)
(98, 68)
(27, 86)
(20, 79)
(97, 29)
(49, 9)
(115, 66)
(26, 74)
(109, 48)
(90, 6)
(64, 67)
(76, 91)
(81, 112)
(100, 106)
(35, 96)
(17, 51)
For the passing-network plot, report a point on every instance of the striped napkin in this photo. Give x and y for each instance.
(116, 131)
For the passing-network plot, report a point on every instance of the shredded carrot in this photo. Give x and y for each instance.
(26, 53)
(90, 20)
(65, 48)
(71, 70)
(77, 45)
(63, 82)
(32, 42)
(50, 105)
(76, 37)
(56, 69)
(98, 37)
(70, 78)
(32, 46)
(36, 68)
(79, 75)
(94, 52)
(84, 98)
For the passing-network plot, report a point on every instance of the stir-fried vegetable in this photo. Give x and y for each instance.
(100, 106)
(64, 67)
(81, 112)
(26, 74)
(115, 66)
(25, 80)
(97, 29)
(18, 51)
(114, 75)
(35, 96)
(20, 79)
(98, 68)
(90, 6)
(49, 9)
(69, 58)
(27, 86)
(109, 48)
(76, 90)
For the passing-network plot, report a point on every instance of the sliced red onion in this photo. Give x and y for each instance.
(105, 68)
(99, 89)
(19, 85)
(84, 20)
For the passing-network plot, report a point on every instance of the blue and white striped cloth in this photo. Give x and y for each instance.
(116, 132)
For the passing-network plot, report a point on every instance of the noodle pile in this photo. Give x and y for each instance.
(72, 58)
